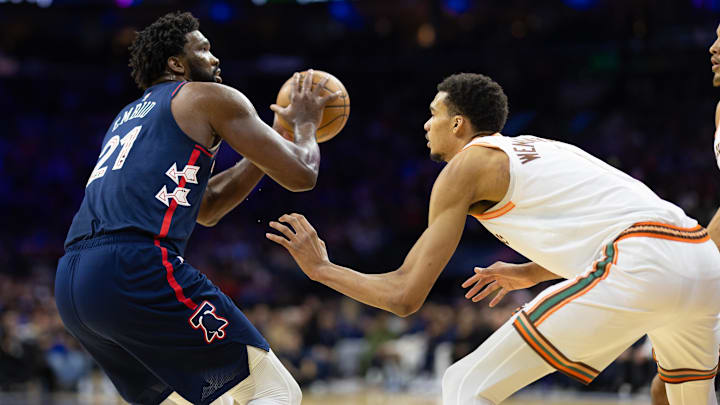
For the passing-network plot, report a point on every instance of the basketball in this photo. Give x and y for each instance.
(336, 112)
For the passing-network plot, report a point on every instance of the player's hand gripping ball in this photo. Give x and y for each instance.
(336, 112)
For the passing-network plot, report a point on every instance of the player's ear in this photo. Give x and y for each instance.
(176, 65)
(458, 122)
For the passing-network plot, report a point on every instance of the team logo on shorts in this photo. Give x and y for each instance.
(212, 325)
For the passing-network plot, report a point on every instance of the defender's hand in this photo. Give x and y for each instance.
(303, 243)
(501, 276)
(306, 103)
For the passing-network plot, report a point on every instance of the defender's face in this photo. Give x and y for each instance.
(715, 59)
(438, 129)
(202, 65)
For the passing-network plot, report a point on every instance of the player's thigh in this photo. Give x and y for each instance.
(686, 350)
(625, 293)
(168, 315)
(134, 382)
(132, 379)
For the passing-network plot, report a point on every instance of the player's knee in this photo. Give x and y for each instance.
(657, 392)
(295, 394)
(451, 381)
(455, 389)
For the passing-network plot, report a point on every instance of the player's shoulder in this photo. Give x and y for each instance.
(474, 162)
(213, 97)
(478, 156)
(209, 90)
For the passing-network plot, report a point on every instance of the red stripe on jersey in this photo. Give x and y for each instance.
(176, 89)
(203, 150)
(171, 279)
(165, 228)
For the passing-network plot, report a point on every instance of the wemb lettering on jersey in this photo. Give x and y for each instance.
(525, 150)
(139, 111)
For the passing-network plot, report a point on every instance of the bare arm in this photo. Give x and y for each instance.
(293, 165)
(474, 175)
(232, 116)
(503, 278)
(227, 189)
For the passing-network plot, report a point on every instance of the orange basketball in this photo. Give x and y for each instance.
(336, 112)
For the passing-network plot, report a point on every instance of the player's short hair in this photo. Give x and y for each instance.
(156, 43)
(477, 97)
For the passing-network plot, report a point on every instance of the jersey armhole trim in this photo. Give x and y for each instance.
(487, 145)
(505, 205)
(200, 147)
(496, 213)
(203, 150)
(177, 88)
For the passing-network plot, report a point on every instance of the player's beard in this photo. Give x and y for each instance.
(199, 74)
(436, 157)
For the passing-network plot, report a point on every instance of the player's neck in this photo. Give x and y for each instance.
(168, 77)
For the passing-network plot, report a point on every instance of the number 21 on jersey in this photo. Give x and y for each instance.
(126, 142)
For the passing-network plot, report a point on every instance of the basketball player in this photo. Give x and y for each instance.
(158, 327)
(657, 390)
(634, 264)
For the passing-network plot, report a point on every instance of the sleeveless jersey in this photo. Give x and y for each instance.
(563, 204)
(150, 176)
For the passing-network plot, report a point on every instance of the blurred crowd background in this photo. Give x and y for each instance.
(627, 80)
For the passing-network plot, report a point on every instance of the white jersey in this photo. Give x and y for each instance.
(563, 205)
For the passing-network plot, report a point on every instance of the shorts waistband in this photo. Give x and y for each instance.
(109, 239)
(696, 234)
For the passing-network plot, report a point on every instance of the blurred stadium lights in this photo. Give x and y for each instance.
(221, 11)
(344, 12)
(40, 3)
(341, 10)
(457, 6)
(264, 2)
(713, 5)
(581, 4)
(426, 35)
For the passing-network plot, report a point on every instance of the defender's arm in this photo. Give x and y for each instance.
(473, 175)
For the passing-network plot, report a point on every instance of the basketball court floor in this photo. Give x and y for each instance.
(366, 398)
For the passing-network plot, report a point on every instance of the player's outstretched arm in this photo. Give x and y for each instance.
(474, 175)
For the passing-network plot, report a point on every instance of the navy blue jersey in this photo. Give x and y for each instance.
(150, 176)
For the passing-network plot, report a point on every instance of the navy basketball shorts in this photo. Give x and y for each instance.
(152, 322)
